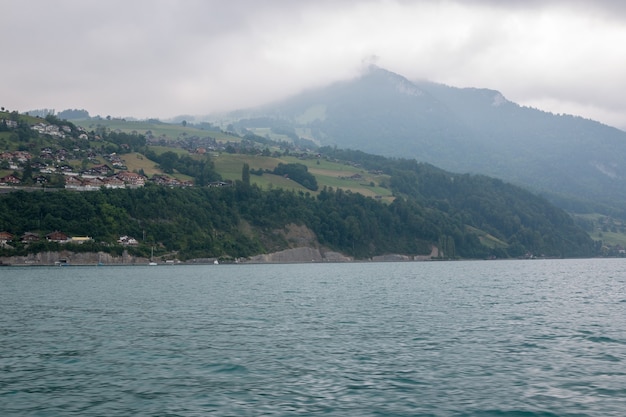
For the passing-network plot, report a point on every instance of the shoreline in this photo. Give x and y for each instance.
(299, 255)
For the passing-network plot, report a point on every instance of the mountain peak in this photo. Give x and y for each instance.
(474, 130)
(498, 100)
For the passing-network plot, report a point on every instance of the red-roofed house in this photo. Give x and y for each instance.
(9, 180)
(132, 178)
(57, 236)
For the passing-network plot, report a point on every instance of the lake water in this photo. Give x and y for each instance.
(484, 338)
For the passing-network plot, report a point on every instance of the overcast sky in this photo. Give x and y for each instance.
(163, 58)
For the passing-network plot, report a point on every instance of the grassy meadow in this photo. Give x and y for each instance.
(158, 129)
(329, 174)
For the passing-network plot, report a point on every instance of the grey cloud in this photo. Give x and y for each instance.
(159, 58)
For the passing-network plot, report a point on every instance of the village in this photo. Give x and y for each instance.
(59, 237)
(50, 167)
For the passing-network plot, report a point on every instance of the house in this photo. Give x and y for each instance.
(40, 179)
(22, 156)
(46, 129)
(220, 184)
(58, 237)
(9, 180)
(79, 240)
(73, 182)
(29, 237)
(165, 180)
(61, 155)
(127, 241)
(112, 182)
(132, 179)
(38, 166)
(5, 237)
(92, 184)
(103, 170)
(11, 124)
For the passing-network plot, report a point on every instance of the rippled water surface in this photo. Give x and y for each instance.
(503, 338)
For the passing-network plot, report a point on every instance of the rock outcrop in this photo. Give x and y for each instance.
(299, 255)
(72, 258)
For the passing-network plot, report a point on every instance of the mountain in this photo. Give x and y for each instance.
(575, 162)
(249, 192)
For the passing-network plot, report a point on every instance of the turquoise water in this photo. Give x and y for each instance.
(502, 338)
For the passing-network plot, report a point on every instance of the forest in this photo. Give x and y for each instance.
(243, 220)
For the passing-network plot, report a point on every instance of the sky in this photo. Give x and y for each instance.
(165, 58)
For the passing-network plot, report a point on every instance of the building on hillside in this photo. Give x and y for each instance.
(58, 237)
(9, 180)
(5, 237)
(29, 237)
(46, 129)
(92, 184)
(113, 182)
(127, 241)
(22, 156)
(227, 183)
(101, 170)
(41, 180)
(80, 239)
(38, 166)
(132, 179)
(165, 180)
(72, 182)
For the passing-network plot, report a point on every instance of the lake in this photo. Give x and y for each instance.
(475, 338)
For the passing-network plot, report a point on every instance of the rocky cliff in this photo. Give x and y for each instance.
(72, 258)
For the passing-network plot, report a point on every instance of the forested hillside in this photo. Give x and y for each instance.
(243, 220)
(195, 196)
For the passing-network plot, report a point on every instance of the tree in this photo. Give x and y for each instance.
(245, 174)
(167, 161)
(27, 174)
(298, 173)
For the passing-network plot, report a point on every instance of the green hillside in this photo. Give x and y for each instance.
(155, 128)
(242, 192)
(576, 163)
